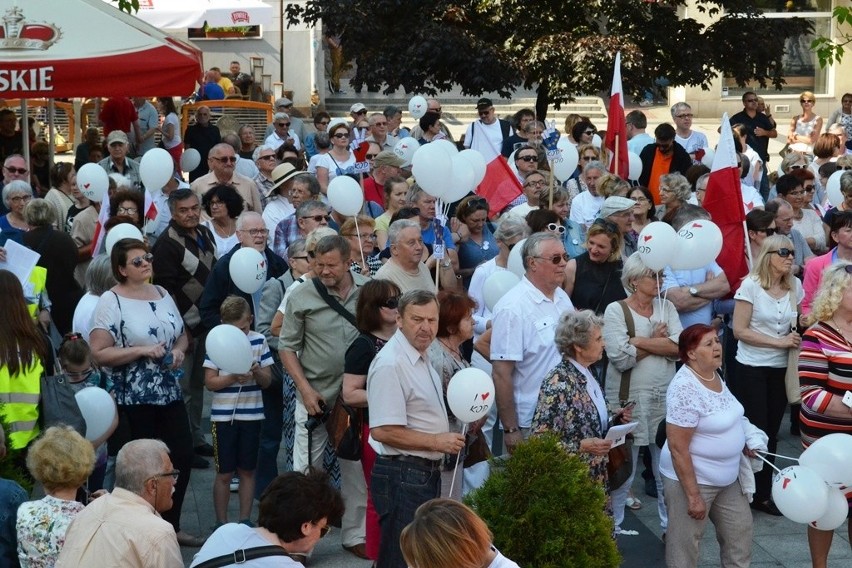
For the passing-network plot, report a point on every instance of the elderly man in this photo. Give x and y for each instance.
(586, 206)
(202, 136)
(222, 161)
(784, 226)
(379, 132)
(124, 528)
(408, 423)
(432, 105)
(619, 211)
(308, 216)
(385, 165)
(487, 134)
(118, 162)
(320, 314)
(297, 125)
(695, 143)
(281, 132)
(428, 226)
(265, 161)
(251, 232)
(183, 259)
(663, 157)
(523, 326)
(405, 268)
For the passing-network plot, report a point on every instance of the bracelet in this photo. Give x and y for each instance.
(446, 264)
(511, 430)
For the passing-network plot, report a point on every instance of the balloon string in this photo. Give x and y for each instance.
(778, 456)
(455, 469)
(360, 245)
(769, 463)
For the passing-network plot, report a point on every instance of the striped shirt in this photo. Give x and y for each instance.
(241, 402)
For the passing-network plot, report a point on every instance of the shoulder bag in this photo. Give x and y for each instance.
(620, 459)
(791, 377)
(243, 555)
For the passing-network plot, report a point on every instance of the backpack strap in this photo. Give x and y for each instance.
(624, 389)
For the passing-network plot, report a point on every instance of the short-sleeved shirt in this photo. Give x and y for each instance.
(335, 167)
(523, 328)
(241, 402)
(677, 278)
(770, 316)
(695, 141)
(403, 389)
(759, 143)
(237, 536)
(585, 208)
(406, 282)
(428, 235)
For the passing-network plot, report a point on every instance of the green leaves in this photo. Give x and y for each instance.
(129, 6)
(830, 51)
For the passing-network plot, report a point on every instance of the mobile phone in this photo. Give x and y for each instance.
(629, 405)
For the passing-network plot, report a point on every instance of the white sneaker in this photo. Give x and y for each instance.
(621, 532)
(235, 484)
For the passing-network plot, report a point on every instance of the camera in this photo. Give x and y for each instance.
(315, 420)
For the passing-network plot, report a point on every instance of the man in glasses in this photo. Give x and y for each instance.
(123, 528)
(297, 125)
(118, 162)
(222, 161)
(379, 132)
(14, 168)
(305, 188)
(759, 129)
(663, 157)
(695, 143)
(202, 136)
(784, 226)
(487, 134)
(281, 132)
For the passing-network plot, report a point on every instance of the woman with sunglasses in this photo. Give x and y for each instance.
(339, 161)
(477, 244)
(577, 184)
(599, 268)
(376, 315)
(396, 197)
(765, 319)
(806, 127)
(138, 332)
(641, 335)
(805, 220)
(223, 205)
(759, 225)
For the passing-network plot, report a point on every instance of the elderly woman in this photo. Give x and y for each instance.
(139, 333)
(766, 306)
(599, 268)
(674, 192)
(574, 235)
(700, 462)
(571, 402)
(363, 256)
(447, 534)
(476, 244)
(13, 225)
(61, 460)
(805, 220)
(339, 161)
(99, 279)
(223, 205)
(396, 197)
(805, 127)
(278, 206)
(59, 256)
(63, 179)
(824, 374)
(641, 335)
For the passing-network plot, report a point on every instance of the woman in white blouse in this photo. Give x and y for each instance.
(765, 315)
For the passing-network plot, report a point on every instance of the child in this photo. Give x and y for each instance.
(236, 413)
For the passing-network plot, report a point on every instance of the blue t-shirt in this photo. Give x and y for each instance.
(428, 235)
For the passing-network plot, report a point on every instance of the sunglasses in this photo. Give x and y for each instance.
(341, 135)
(370, 156)
(19, 171)
(588, 158)
(282, 124)
(226, 159)
(590, 132)
(783, 252)
(391, 303)
(806, 101)
(750, 101)
(299, 258)
(485, 112)
(318, 218)
(137, 262)
(269, 157)
(556, 258)
(80, 376)
(799, 167)
(535, 183)
(556, 228)
(527, 158)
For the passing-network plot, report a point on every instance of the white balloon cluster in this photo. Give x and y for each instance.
(444, 172)
(697, 244)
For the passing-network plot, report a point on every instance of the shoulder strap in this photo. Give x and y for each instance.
(242, 555)
(624, 389)
(333, 303)
(504, 128)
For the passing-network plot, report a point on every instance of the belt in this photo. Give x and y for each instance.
(415, 460)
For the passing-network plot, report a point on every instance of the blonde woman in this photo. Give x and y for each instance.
(806, 127)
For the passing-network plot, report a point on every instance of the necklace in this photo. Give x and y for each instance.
(697, 374)
(455, 352)
(841, 332)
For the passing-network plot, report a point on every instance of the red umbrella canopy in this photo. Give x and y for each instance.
(87, 48)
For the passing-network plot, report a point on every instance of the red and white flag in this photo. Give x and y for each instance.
(616, 126)
(100, 233)
(724, 201)
(500, 186)
(150, 206)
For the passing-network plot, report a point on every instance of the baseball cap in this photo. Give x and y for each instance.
(387, 158)
(357, 107)
(117, 136)
(484, 103)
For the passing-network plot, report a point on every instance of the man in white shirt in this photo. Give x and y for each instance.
(637, 138)
(523, 327)
(695, 143)
(486, 135)
(281, 132)
(586, 206)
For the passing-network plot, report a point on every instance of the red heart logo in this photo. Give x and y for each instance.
(647, 238)
(485, 395)
(697, 225)
(262, 263)
(86, 185)
(361, 152)
(786, 481)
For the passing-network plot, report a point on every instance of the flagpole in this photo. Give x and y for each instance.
(748, 248)
(616, 163)
(552, 184)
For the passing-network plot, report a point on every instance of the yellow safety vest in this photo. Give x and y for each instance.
(38, 278)
(19, 396)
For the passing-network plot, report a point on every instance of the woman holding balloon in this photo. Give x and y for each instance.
(825, 363)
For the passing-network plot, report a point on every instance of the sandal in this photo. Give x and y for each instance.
(633, 503)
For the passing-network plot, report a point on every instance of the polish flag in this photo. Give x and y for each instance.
(100, 233)
(150, 207)
(616, 126)
(724, 201)
(500, 186)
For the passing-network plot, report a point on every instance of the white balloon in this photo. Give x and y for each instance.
(831, 457)
(497, 285)
(93, 182)
(417, 106)
(596, 141)
(405, 149)
(98, 410)
(476, 160)
(635, 168)
(698, 244)
(657, 245)
(515, 264)
(345, 195)
(432, 168)
(156, 168)
(190, 159)
(832, 187)
(229, 349)
(800, 494)
(461, 180)
(564, 142)
(447, 147)
(565, 168)
(121, 231)
(707, 159)
(835, 512)
(470, 394)
(248, 269)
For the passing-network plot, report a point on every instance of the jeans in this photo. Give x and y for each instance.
(398, 488)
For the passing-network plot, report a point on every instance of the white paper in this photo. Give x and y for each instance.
(618, 434)
(20, 261)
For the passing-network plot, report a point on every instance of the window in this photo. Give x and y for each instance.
(230, 32)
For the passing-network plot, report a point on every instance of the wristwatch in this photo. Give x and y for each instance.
(511, 430)
(693, 291)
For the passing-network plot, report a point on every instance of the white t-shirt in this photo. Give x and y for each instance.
(236, 536)
(240, 401)
(172, 119)
(638, 143)
(719, 436)
(501, 561)
(751, 198)
(223, 244)
(770, 316)
(695, 141)
(84, 315)
(276, 210)
(487, 139)
(335, 167)
(585, 208)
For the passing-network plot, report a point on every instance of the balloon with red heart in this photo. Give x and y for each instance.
(93, 182)
(698, 244)
(417, 106)
(470, 394)
(361, 151)
(657, 245)
(247, 269)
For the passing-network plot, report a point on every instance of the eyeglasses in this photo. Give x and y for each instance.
(641, 199)
(769, 231)
(20, 198)
(282, 124)
(685, 115)
(225, 160)
(173, 474)
(535, 183)
(783, 252)
(362, 111)
(556, 228)
(391, 303)
(318, 218)
(370, 156)
(12, 170)
(341, 135)
(79, 376)
(806, 101)
(556, 258)
(527, 158)
(269, 157)
(255, 232)
(809, 189)
(216, 204)
(137, 262)
(298, 258)
(380, 124)
(588, 158)
(127, 210)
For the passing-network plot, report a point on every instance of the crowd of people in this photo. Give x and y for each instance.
(373, 315)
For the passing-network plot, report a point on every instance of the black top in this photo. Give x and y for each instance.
(361, 353)
(596, 284)
(759, 144)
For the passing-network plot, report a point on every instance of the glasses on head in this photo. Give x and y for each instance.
(226, 159)
(137, 262)
(256, 232)
(527, 158)
(391, 303)
(606, 225)
(806, 101)
(769, 231)
(370, 156)
(14, 170)
(173, 474)
(127, 210)
(318, 218)
(684, 115)
(783, 252)
(556, 258)
(20, 198)
(341, 135)
(556, 228)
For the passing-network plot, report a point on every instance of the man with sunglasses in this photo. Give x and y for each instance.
(379, 132)
(124, 528)
(663, 157)
(222, 161)
(759, 129)
(357, 111)
(202, 135)
(487, 134)
(281, 132)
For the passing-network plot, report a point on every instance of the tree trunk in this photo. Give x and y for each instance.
(542, 101)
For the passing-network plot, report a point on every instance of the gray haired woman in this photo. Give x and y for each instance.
(675, 190)
(13, 225)
(99, 279)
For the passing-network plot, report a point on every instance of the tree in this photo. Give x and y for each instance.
(829, 50)
(129, 6)
(560, 48)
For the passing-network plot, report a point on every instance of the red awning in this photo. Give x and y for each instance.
(87, 48)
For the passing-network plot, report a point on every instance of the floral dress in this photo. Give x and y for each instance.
(41, 530)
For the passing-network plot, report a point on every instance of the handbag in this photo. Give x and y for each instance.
(619, 465)
(58, 405)
(344, 427)
(791, 377)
